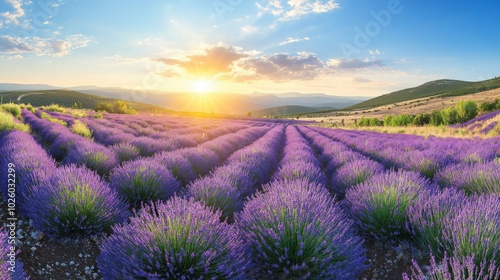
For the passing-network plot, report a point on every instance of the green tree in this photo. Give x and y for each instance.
(466, 110)
(449, 115)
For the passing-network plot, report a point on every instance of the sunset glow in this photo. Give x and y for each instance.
(202, 86)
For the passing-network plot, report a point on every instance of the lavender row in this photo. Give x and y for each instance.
(479, 119)
(346, 167)
(291, 229)
(160, 177)
(71, 148)
(415, 153)
(227, 186)
(299, 160)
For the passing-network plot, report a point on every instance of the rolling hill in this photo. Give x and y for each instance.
(434, 88)
(67, 98)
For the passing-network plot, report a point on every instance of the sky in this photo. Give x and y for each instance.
(336, 47)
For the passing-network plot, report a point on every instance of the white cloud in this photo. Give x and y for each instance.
(291, 40)
(350, 64)
(14, 16)
(294, 9)
(249, 29)
(42, 46)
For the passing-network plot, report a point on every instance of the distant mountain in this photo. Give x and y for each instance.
(22, 87)
(434, 88)
(289, 110)
(225, 103)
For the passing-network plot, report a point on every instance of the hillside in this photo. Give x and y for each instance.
(289, 110)
(66, 98)
(421, 105)
(434, 88)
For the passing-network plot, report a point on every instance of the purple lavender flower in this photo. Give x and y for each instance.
(477, 178)
(94, 156)
(427, 213)
(143, 181)
(379, 204)
(296, 230)
(455, 268)
(219, 193)
(125, 152)
(63, 144)
(6, 257)
(31, 165)
(75, 201)
(179, 239)
(203, 160)
(301, 170)
(149, 146)
(353, 173)
(180, 167)
(475, 229)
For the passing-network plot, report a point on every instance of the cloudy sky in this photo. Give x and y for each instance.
(344, 47)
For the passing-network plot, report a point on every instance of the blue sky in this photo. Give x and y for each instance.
(344, 47)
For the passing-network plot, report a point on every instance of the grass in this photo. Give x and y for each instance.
(12, 108)
(51, 119)
(7, 123)
(81, 129)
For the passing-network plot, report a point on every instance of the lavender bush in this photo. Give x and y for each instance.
(125, 152)
(218, 193)
(31, 165)
(473, 178)
(475, 230)
(5, 259)
(143, 181)
(353, 173)
(379, 204)
(455, 268)
(94, 156)
(75, 201)
(180, 167)
(296, 231)
(179, 239)
(427, 213)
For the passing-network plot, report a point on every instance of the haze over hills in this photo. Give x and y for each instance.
(267, 104)
(225, 103)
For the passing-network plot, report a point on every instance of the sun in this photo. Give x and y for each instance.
(202, 86)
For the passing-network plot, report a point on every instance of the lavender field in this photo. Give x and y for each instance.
(176, 197)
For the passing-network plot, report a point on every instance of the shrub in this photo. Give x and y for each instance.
(379, 204)
(466, 110)
(296, 231)
(98, 115)
(54, 108)
(476, 178)
(118, 107)
(353, 173)
(12, 108)
(75, 201)
(143, 181)
(81, 129)
(454, 268)
(179, 239)
(46, 116)
(63, 144)
(7, 123)
(125, 151)
(422, 119)
(449, 116)
(149, 146)
(427, 214)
